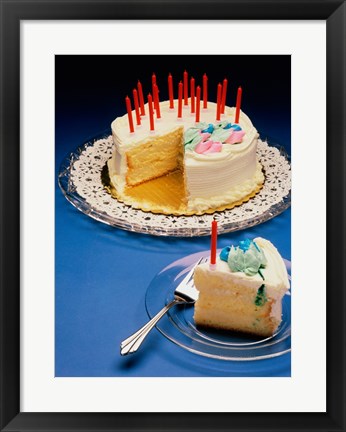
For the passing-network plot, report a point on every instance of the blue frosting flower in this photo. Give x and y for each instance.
(209, 129)
(236, 127)
(224, 253)
(245, 244)
(227, 125)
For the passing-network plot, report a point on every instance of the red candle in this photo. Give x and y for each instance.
(135, 99)
(170, 91)
(198, 103)
(180, 100)
(141, 98)
(186, 101)
(205, 91)
(237, 108)
(192, 91)
(151, 112)
(218, 102)
(213, 245)
(224, 91)
(157, 101)
(153, 81)
(129, 113)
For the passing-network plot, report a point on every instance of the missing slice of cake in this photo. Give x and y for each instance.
(244, 291)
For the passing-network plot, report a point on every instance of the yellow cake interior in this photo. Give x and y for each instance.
(230, 306)
(158, 156)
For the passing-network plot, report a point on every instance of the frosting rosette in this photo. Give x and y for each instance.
(205, 138)
(247, 257)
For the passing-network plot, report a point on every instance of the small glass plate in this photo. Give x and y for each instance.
(178, 325)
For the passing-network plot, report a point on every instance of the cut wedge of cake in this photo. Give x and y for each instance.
(244, 291)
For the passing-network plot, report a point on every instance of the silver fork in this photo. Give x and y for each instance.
(184, 293)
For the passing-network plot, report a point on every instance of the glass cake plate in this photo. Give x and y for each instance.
(178, 325)
(80, 181)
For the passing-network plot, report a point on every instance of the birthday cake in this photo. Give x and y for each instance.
(201, 157)
(243, 290)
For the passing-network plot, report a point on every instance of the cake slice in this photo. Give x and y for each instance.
(244, 291)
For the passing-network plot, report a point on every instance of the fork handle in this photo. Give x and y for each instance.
(132, 343)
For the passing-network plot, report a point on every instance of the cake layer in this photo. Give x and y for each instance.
(237, 300)
(247, 323)
(155, 158)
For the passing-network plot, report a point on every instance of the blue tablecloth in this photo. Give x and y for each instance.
(102, 273)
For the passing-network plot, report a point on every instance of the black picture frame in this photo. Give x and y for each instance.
(12, 13)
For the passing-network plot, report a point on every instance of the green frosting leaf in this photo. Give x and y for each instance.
(201, 125)
(220, 135)
(197, 139)
(192, 144)
(221, 125)
(192, 137)
(191, 134)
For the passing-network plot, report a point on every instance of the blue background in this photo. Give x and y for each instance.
(101, 272)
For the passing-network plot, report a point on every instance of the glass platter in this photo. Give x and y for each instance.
(178, 325)
(80, 181)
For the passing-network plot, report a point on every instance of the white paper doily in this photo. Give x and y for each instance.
(80, 182)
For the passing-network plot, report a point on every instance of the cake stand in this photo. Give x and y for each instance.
(80, 181)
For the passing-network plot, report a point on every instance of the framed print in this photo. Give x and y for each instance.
(179, 164)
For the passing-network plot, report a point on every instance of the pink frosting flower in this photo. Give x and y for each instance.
(205, 135)
(235, 137)
(215, 147)
(205, 147)
(202, 147)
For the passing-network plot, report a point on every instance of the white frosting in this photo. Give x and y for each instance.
(213, 179)
(275, 272)
(200, 200)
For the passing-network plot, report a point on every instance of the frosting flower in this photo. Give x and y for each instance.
(205, 135)
(209, 128)
(210, 146)
(235, 137)
(235, 127)
(247, 257)
(192, 137)
(221, 134)
(245, 244)
(207, 138)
